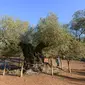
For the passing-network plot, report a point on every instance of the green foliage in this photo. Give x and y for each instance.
(75, 50)
(56, 39)
(11, 30)
(50, 33)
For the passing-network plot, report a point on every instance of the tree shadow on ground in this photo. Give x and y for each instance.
(72, 78)
(75, 83)
(79, 72)
(13, 75)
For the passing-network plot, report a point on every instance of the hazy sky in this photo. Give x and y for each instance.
(32, 10)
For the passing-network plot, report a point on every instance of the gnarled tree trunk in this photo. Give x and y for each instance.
(29, 55)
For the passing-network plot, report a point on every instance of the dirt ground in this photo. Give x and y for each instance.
(77, 77)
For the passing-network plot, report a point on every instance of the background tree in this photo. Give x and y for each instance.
(77, 24)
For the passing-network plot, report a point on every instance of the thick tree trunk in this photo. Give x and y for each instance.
(69, 67)
(29, 55)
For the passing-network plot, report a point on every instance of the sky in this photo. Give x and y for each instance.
(32, 10)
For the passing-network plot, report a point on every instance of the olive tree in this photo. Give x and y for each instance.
(11, 30)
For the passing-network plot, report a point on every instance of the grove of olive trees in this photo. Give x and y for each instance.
(47, 38)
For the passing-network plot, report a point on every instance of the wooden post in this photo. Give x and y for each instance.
(61, 63)
(46, 64)
(21, 75)
(69, 67)
(52, 66)
(22, 64)
(4, 71)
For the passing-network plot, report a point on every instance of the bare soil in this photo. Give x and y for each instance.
(77, 77)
